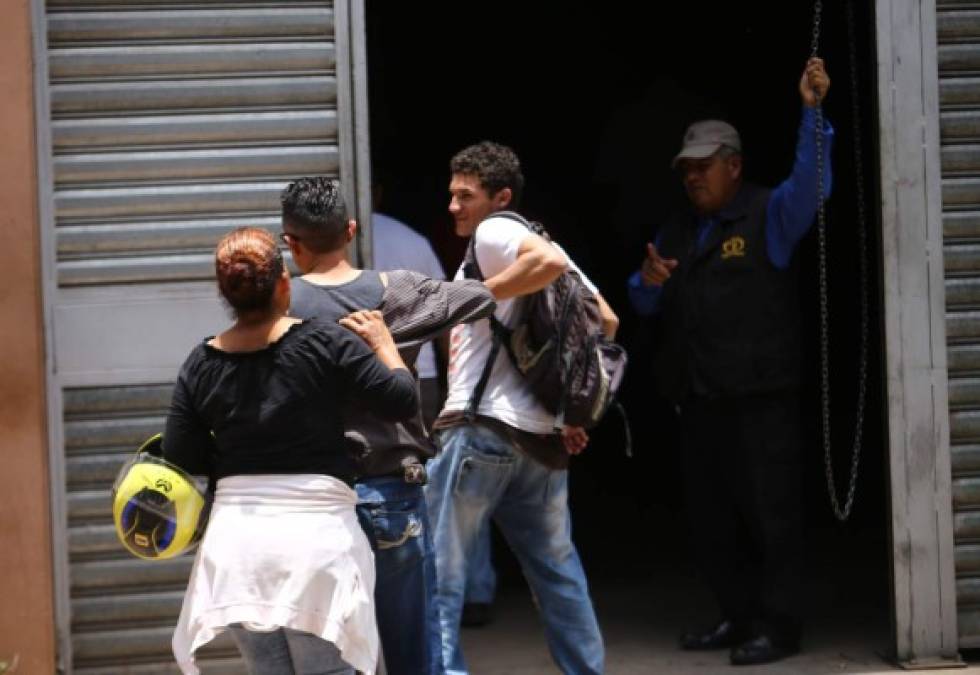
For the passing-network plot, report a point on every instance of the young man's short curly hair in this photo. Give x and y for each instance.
(495, 165)
(315, 207)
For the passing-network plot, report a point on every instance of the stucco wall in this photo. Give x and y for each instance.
(26, 613)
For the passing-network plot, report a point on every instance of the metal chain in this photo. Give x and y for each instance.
(815, 34)
(844, 513)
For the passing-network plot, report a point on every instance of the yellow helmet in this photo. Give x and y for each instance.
(157, 508)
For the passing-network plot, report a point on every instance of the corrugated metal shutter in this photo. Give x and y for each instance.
(123, 610)
(959, 92)
(170, 123)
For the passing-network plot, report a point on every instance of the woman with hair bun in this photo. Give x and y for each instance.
(284, 565)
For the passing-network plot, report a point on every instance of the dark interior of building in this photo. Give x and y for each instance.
(594, 97)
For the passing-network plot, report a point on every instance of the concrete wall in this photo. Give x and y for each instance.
(26, 612)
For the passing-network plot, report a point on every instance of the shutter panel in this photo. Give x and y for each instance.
(959, 99)
(170, 124)
(123, 610)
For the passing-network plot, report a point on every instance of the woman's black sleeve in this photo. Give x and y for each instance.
(187, 441)
(392, 394)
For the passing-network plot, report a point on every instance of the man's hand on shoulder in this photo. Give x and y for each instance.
(814, 83)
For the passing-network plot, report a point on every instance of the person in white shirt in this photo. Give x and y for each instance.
(506, 462)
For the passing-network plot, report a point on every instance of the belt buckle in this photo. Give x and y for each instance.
(415, 474)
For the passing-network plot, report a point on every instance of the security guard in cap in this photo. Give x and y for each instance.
(721, 282)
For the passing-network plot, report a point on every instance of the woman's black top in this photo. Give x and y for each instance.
(277, 410)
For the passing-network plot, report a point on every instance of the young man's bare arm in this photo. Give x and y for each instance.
(610, 322)
(538, 264)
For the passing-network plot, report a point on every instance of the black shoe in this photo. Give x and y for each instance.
(476, 614)
(762, 649)
(724, 634)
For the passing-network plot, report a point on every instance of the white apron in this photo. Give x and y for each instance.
(282, 551)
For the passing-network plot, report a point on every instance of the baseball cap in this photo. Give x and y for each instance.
(704, 138)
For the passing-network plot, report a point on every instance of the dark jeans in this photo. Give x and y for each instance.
(285, 651)
(743, 488)
(393, 515)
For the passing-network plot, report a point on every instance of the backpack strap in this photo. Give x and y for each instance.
(471, 270)
(512, 215)
(481, 385)
(533, 225)
(500, 334)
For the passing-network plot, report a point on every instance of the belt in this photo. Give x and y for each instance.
(412, 474)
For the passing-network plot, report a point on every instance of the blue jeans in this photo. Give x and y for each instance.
(479, 475)
(481, 577)
(393, 515)
(285, 651)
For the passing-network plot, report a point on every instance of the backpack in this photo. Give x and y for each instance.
(558, 346)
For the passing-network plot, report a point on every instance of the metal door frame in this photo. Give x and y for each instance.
(350, 35)
(914, 323)
(49, 289)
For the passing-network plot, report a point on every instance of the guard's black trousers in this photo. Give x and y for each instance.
(743, 485)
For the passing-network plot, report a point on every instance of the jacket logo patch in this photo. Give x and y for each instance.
(733, 247)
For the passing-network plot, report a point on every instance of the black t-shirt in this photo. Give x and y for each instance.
(330, 302)
(277, 410)
(416, 309)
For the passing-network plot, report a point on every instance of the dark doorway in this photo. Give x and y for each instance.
(594, 97)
